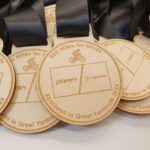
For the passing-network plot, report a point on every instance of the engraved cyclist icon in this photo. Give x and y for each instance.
(31, 64)
(77, 56)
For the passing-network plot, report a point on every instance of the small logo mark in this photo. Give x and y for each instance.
(77, 56)
(31, 64)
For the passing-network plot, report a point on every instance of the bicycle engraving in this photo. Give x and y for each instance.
(77, 56)
(31, 65)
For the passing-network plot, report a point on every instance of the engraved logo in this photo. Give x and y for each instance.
(31, 65)
(77, 56)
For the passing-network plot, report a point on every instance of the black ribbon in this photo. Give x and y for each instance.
(140, 19)
(72, 17)
(120, 18)
(109, 18)
(49, 2)
(22, 22)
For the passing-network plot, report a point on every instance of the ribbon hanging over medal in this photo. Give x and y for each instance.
(72, 61)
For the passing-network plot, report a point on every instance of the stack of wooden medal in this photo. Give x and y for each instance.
(79, 81)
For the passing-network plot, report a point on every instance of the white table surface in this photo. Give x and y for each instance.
(121, 131)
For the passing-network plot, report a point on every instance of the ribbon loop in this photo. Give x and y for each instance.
(140, 17)
(98, 11)
(23, 24)
(72, 18)
(120, 18)
(26, 26)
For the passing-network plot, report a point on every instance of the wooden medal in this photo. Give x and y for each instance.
(26, 113)
(7, 81)
(79, 82)
(134, 64)
(138, 107)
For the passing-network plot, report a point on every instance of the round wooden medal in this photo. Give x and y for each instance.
(138, 107)
(79, 82)
(134, 64)
(142, 41)
(7, 81)
(26, 113)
